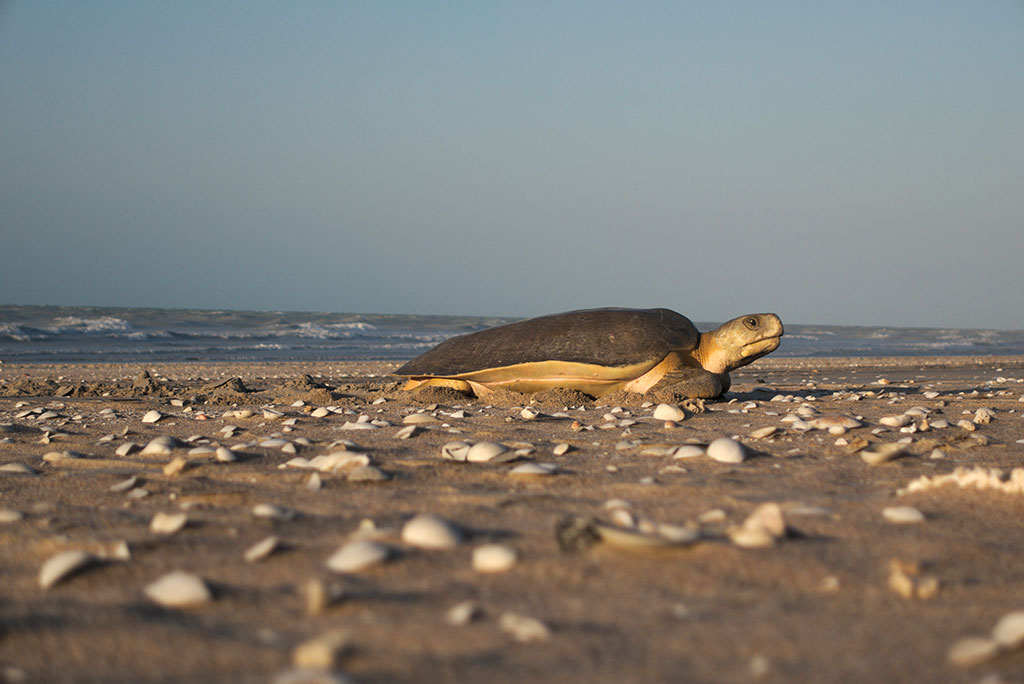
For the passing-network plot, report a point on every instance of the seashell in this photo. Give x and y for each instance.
(271, 414)
(455, 451)
(529, 414)
(18, 469)
(320, 413)
(225, 455)
(337, 461)
(152, 416)
(274, 443)
(669, 412)
(419, 419)
(481, 452)
(367, 473)
(8, 515)
(561, 449)
(241, 413)
(322, 652)
(178, 589)
(1009, 630)
(261, 549)
(761, 433)
(972, 650)
(831, 423)
(357, 556)
(903, 515)
(761, 528)
(358, 426)
(523, 628)
(895, 421)
(127, 448)
(167, 523)
(160, 446)
(493, 558)
(688, 451)
(966, 425)
(407, 432)
(534, 469)
(882, 453)
(726, 450)
(54, 456)
(63, 565)
(177, 465)
(462, 614)
(272, 512)
(428, 531)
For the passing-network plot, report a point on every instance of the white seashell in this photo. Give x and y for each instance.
(62, 565)
(761, 433)
(271, 414)
(240, 413)
(895, 421)
(167, 523)
(491, 558)
(358, 555)
(972, 650)
(358, 426)
(127, 448)
(482, 452)
(455, 451)
(8, 515)
(534, 469)
(160, 446)
(882, 453)
(274, 443)
(179, 589)
(177, 465)
(322, 652)
(523, 628)
(726, 450)
(337, 461)
(561, 449)
(688, 451)
(419, 419)
(18, 468)
(201, 451)
(939, 424)
(1009, 631)
(152, 416)
(903, 515)
(931, 395)
(320, 413)
(54, 456)
(462, 614)
(261, 549)
(669, 412)
(428, 531)
(529, 414)
(272, 512)
(407, 432)
(225, 455)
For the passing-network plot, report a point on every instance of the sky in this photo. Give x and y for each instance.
(836, 163)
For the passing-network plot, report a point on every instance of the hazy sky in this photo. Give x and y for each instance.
(834, 162)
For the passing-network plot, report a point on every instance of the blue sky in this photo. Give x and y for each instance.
(857, 163)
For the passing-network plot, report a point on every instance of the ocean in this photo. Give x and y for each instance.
(48, 334)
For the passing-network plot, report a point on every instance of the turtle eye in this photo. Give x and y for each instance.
(750, 322)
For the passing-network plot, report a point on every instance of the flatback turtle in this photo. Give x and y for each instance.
(597, 351)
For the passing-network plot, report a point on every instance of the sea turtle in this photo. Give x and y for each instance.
(597, 351)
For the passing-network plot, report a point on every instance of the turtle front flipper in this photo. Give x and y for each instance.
(694, 383)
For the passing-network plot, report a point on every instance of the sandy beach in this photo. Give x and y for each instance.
(620, 557)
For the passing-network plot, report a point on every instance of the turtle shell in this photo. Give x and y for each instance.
(602, 337)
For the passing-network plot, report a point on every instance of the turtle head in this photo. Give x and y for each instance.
(739, 342)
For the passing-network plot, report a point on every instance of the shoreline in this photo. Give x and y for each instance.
(843, 594)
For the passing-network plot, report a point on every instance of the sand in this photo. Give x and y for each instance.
(819, 605)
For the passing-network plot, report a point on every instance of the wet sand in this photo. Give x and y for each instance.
(820, 604)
